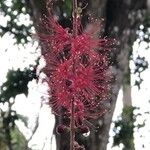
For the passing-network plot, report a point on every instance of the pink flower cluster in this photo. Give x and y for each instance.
(77, 69)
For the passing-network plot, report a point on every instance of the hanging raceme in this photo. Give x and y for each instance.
(76, 68)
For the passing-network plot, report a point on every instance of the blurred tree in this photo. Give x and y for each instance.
(122, 19)
(124, 129)
(126, 125)
(17, 83)
(15, 12)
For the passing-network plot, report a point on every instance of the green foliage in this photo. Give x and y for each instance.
(124, 128)
(63, 8)
(14, 10)
(17, 83)
(145, 29)
(67, 8)
(9, 133)
(16, 23)
(9, 118)
(140, 65)
(18, 140)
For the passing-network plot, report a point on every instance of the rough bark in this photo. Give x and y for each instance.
(121, 20)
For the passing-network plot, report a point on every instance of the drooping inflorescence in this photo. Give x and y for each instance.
(76, 68)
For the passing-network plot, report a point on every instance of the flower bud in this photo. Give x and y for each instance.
(62, 129)
(83, 129)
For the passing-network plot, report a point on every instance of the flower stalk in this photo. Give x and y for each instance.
(72, 126)
(74, 15)
(72, 117)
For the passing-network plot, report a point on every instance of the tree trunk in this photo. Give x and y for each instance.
(127, 105)
(121, 20)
